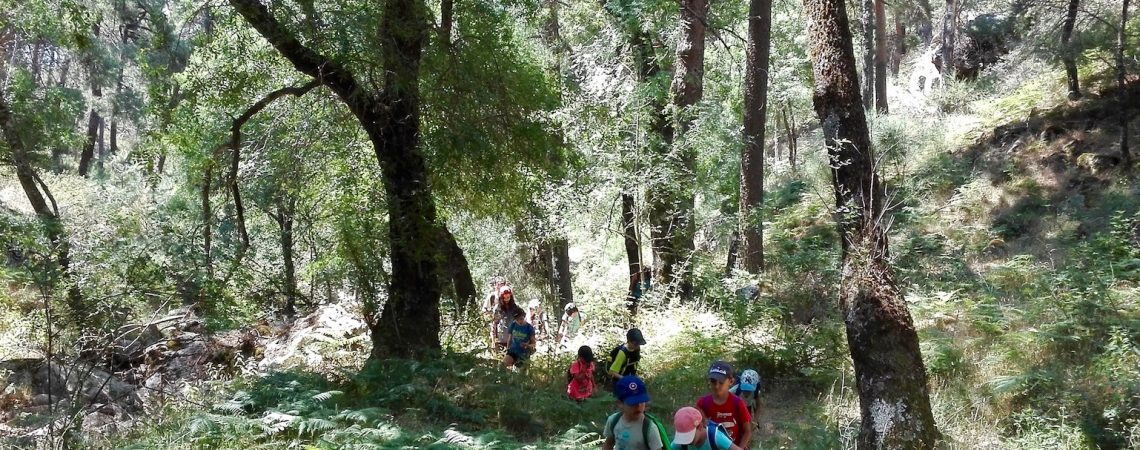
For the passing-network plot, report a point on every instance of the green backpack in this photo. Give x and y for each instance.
(612, 421)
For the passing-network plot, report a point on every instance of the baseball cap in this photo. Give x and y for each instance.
(505, 289)
(570, 306)
(534, 303)
(686, 421)
(720, 370)
(634, 335)
(749, 380)
(631, 390)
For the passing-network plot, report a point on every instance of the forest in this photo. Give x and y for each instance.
(342, 224)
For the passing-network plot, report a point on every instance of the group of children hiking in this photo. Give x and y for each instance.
(517, 330)
(720, 420)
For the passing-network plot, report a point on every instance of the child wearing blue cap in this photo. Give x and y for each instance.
(631, 429)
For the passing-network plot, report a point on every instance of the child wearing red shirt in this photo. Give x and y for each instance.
(722, 407)
(581, 384)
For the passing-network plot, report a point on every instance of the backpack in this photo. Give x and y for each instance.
(712, 429)
(612, 421)
(631, 359)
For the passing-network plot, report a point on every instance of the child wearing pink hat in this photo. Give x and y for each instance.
(694, 432)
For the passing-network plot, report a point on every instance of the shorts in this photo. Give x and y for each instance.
(516, 356)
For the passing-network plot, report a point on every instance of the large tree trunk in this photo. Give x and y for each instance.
(891, 379)
(868, 21)
(673, 205)
(632, 248)
(410, 321)
(1122, 87)
(755, 116)
(880, 57)
(949, 29)
(1068, 52)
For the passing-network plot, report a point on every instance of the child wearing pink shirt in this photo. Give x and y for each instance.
(581, 375)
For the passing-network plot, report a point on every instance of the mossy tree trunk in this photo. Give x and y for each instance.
(891, 379)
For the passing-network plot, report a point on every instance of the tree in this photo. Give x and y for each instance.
(880, 57)
(408, 325)
(868, 21)
(891, 379)
(671, 204)
(757, 52)
(949, 29)
(1068, 52)
(1121, 86)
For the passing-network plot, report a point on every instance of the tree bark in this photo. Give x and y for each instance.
(562, 278)
(891, 378)
(1068, 52)
(949, 29)
(673, 205)
(458, 271)
(881, 56)
(409, 323)
(632, 248)
(733, 251)
(446, 20)
(1121, 86)
(868, 20)
(286, 208)
(925, 21)
(900, 44)
(757, 53)
(88, 153)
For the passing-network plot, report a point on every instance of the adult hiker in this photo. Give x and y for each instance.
(624, 357)
(632, 428)
(695, 432)
(722, 407)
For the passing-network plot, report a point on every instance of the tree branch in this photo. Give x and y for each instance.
(235, 147)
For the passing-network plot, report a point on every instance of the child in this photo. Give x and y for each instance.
(747, 390)
(537, 317)
(571, 321)
(581, 385)
(697, 433)
(724, 408)
(624, 357)
(522, 339)
(626, 430)
(502, 316)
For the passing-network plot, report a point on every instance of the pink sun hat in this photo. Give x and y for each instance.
(686, 421)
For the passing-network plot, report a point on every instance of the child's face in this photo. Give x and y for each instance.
(632, 346)
(720, 387)
(632, 412)
(520, 320)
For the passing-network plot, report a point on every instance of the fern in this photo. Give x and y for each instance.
(325, 396)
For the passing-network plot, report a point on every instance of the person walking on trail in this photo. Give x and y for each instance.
(624, 357)
(537, 317)
(695, 432)
(570, 324)
(580, 385)
(724, 408)
(522, 340)
(503, 316)
(748, 390)
(632, 428)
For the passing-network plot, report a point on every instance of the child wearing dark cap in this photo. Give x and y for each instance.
(624, 357)
(722, 407)
(581, 385)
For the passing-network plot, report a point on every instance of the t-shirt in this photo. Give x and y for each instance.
(733, 415)
(723, 442)
(520, 336)
(573, 322)
(579, 390)
(630, 436)
(625, 362)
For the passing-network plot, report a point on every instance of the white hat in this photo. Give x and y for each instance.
(533, 303)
